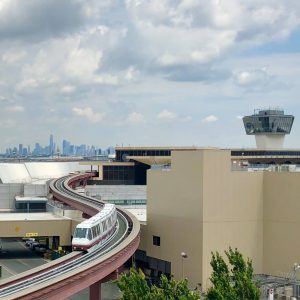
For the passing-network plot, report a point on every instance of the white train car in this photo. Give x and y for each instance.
(96, 230)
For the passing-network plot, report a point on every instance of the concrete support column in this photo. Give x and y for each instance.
(50, 242)
(95, 291)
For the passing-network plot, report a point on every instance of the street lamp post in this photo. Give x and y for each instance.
(183, 256)
(296, 267)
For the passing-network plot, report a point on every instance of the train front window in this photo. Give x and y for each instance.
(80, 233)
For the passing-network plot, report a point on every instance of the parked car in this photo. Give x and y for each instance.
(33, 245)
(41, 248)
(29, 242)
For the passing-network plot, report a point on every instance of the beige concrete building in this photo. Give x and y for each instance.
(200, 204)
(37, 225)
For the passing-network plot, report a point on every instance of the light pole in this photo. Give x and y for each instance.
(183, 256)
(296, 267)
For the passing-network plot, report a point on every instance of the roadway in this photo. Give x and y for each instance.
(16, 258)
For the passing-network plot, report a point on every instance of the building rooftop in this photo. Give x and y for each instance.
(139, 213)
(30, 217)
(163, 148)
(30, 199)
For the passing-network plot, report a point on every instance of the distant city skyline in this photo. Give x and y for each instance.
(65, 148)
(143, 73)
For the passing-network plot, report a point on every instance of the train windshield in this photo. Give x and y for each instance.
(80, 233)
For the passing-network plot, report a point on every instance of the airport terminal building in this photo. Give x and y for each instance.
(201, 200)
(202, 203)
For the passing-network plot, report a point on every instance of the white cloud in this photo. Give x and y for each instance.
(13, 56)
(253, 77)
(166, 115)
(67, 89)
(173, 33)
(83, 63)
(239, 117)
(89, 114)
(131, 74)
(135, 118)
(123, 57)
(210, 119)
(15, 108)
(29, 83)
(106, 79)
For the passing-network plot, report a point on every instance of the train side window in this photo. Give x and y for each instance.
(104, 225)
(90, 234)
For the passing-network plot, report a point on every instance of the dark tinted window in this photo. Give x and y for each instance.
(156, 240)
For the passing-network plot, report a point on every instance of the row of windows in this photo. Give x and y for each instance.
(23, 205)
(264, 153)
(268, 124)
(128, 202)
(100, 228)
(121, 154)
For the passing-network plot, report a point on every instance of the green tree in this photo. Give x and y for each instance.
(134, 287)
(172, 289)
(233, 284)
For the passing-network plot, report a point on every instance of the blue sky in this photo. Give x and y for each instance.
(160, 72)
(290, 44)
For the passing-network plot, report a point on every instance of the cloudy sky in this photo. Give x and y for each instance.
(156, 72)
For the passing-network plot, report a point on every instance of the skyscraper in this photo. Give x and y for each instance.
(51, 145)
(20, 150)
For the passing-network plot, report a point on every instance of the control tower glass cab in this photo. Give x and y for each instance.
(269, 127)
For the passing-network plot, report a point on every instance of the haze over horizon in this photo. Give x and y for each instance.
(143, 73)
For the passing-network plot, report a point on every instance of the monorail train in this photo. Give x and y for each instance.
(96, 230)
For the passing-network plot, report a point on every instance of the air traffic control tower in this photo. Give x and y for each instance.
(269, 127)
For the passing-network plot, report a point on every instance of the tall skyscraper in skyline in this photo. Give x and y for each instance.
(51, 145)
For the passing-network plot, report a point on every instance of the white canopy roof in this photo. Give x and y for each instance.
(32, 171)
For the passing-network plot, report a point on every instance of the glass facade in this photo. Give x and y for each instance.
(268, 122)
(118, 173)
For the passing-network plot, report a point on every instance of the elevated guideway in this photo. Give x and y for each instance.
(74, 272)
